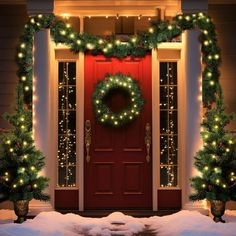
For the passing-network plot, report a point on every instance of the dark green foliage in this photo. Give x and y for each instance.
(20, 161)
(216, 161)
(105, 87)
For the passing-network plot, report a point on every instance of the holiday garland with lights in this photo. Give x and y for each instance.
(110, 83)
(20, 161)
(138, 46)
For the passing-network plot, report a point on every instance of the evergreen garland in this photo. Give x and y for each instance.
(110, 83)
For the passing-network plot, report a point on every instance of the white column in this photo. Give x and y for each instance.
(41, 112)
(192, 68)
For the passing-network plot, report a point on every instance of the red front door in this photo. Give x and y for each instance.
(118, 175)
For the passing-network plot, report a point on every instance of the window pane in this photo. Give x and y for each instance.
(67, 124)
(168, 124)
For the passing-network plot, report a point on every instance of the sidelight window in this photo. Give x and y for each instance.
(168, 125)
(66, 157)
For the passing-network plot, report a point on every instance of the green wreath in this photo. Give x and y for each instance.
(103, 113)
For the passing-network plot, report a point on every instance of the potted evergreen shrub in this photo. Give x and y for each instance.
(216, 161)
(20, 162)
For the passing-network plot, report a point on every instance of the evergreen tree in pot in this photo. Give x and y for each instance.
(216, 161)
(20, 162)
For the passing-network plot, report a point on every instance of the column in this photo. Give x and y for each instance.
(192, 67)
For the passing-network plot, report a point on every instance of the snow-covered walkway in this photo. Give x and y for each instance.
(185, 223)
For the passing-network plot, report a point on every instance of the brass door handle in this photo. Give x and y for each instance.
(87, 139)
(148, 141)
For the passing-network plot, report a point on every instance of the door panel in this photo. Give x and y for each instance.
(118, 175)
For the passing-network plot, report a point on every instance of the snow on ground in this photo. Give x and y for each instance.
(183, 223)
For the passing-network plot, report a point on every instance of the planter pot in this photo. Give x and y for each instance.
(21, 208)
(218, 210)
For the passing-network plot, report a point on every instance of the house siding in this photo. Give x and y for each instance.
(224, 18)
(12, 20)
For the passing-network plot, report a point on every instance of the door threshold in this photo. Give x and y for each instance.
(134, 213)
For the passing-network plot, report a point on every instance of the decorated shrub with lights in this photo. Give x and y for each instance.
(112, 82)
(20, 161)
(216, 161)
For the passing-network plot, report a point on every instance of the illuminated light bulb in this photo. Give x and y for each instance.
(22, 169)
(213, 157)
(200, 14)
(207, 20)
(121, 117)
(26, 88)
(224, 185)
(206, 136)
(25, 156)
(125, 114)
(102, 91)
(90, 46)
(22, 127)
(135, 105)
(32, 21)
(99, 111)
(216, 56)
(232, 179)
(214, 143)
(231, 142)
(32, 168)
(109, 45)
(35, 185)
(72, 36)
(22, 45)
(216, 118)
(97, 101)
(78, 41)
(89, 17)
(63, 32)
(11, 150)
(38, 24)
(194, 15)
(117, 42)
(100, 41)
(14, 185)
(22, 118)
(6, 179)
(151, 30)
(25, 143)
(40, 16)
(132, 99)
(180, 17)
(134, 40)
(21, 181)
(212, 82)
(187, 18)
(203, 185)
(205, 32)
(6, 173)
(215, 169)
(206, 43)
(206, 168)
(125, 84)
(20, 55)
(132, 111)
(170, 27)
(106, 17)
(131, 117)
(68, 25)
(8, 141)
(232, 173)
(116, 122)
(102, 120)
(23, 78)
(209, 57)
(105, 50)
(216, 126)
(112, 117)
(149, 18)
(217, 181)
(136, 112)
(106, 116)
(227, 150)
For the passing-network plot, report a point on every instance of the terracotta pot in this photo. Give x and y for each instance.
(21, 208)
(218, 210)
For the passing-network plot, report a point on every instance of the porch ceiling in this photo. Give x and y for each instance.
(112, 8)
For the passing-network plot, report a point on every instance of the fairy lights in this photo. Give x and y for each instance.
(67, 125)
(168, 124)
